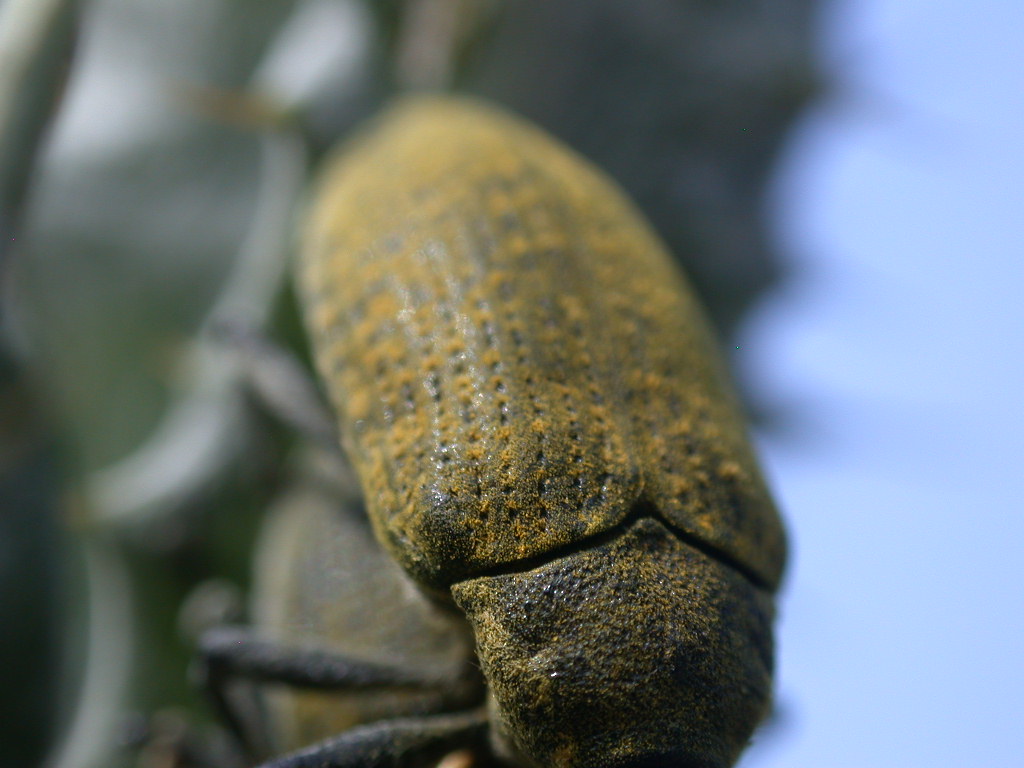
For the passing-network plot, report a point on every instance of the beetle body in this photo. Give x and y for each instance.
(545, 438)
(322, 581)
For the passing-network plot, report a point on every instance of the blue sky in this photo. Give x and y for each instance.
(897, 353)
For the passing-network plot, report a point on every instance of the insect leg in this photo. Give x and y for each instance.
(232, 653)
(394, 743)
(278, 381)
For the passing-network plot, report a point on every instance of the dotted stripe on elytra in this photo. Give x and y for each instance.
(578, 223)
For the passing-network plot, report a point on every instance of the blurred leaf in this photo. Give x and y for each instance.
(36, 41)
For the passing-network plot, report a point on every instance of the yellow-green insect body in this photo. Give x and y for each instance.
(544, 437)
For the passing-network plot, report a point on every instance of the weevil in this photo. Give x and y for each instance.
(574, 554)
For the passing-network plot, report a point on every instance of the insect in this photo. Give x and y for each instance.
(577, 554)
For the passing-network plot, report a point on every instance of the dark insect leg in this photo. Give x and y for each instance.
(394, 743)
(278, 380)
(283, 389)
(239, 652)
(232, 653)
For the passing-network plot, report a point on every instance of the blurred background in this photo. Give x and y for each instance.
(898, 347)
(841, 180)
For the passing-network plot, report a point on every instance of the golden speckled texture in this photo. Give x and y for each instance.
(641, 651)
(515, 361)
